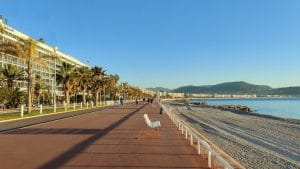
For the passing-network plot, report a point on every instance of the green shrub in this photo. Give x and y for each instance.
(11, 97)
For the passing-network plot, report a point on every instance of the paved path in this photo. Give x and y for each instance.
(110, 138)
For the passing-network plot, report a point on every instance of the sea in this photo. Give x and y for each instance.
(278, 107)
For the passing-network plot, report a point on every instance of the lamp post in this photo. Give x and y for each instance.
(1, 28)
(55, 48)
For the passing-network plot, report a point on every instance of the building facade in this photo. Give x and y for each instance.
(46, 71)
(177, 95)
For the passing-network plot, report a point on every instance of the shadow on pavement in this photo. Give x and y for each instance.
(75, 150)
(55, 131)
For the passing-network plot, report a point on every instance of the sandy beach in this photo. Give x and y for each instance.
(254, 141)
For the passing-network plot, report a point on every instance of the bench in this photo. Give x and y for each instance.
(153, 123)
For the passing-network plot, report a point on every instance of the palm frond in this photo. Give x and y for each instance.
(11, 48)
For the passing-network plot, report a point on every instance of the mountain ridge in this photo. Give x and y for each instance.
(239, 87)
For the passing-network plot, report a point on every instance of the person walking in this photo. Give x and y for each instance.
(121, 100)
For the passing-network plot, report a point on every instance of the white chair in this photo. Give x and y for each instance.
(152, 124)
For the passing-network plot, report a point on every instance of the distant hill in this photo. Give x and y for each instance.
(239, 88)
(160, 89)
(192, 89)
(294, 91)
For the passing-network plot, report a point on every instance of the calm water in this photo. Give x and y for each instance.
(280, 107)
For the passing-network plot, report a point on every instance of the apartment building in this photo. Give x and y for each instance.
(46, 72)
(177, 95)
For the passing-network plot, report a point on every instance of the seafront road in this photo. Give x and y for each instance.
(115, 137)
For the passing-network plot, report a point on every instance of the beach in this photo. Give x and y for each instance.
(253, 141)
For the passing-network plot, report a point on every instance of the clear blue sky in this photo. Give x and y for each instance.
(171, 43)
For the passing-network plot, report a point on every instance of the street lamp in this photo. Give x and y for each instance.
(55, 49)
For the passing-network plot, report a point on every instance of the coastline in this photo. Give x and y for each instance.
(254, 140)
(213, 98)
(254, 113)
(263, 107)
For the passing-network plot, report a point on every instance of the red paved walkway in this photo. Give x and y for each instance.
(112, 138)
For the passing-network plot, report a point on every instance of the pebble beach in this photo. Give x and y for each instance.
(253, 141)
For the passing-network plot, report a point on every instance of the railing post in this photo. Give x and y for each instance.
(209, 159)
(92, 104)
(198, 147)
(22, 110)
(41, 109)
(186, 133)
(182, 130)
(74, 105)
(65, 105)
(54, 107)
(191, 139)
(87, 104)
(81, 105)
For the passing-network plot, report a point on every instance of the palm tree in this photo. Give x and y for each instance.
(30, 55)
(85, 74)
(74, 87)
(116, 89)
(26, 49)
(98, 74)
(106, 82)
(11, 48)
(65, 76)
(11, 73)
(124, 89)
(112, 81)
(39, 88)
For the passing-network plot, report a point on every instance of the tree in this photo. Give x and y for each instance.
(65, 76)
(39, 88)
(30, 55)
(11, 48)
(17, 98)
(105, 84)
(74, 88)
(98, 74)
(11, 73)
(5, 95)
(11, 97)
(115, 89)
(26, 49)
(124, 89)
(84, 74)
(111, 84)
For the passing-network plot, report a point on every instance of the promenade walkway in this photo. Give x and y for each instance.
(110, 138)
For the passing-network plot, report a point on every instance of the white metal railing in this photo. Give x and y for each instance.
(117, 102)
(56, 108)
(64, 108)
(112, 102)
(193, 138)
